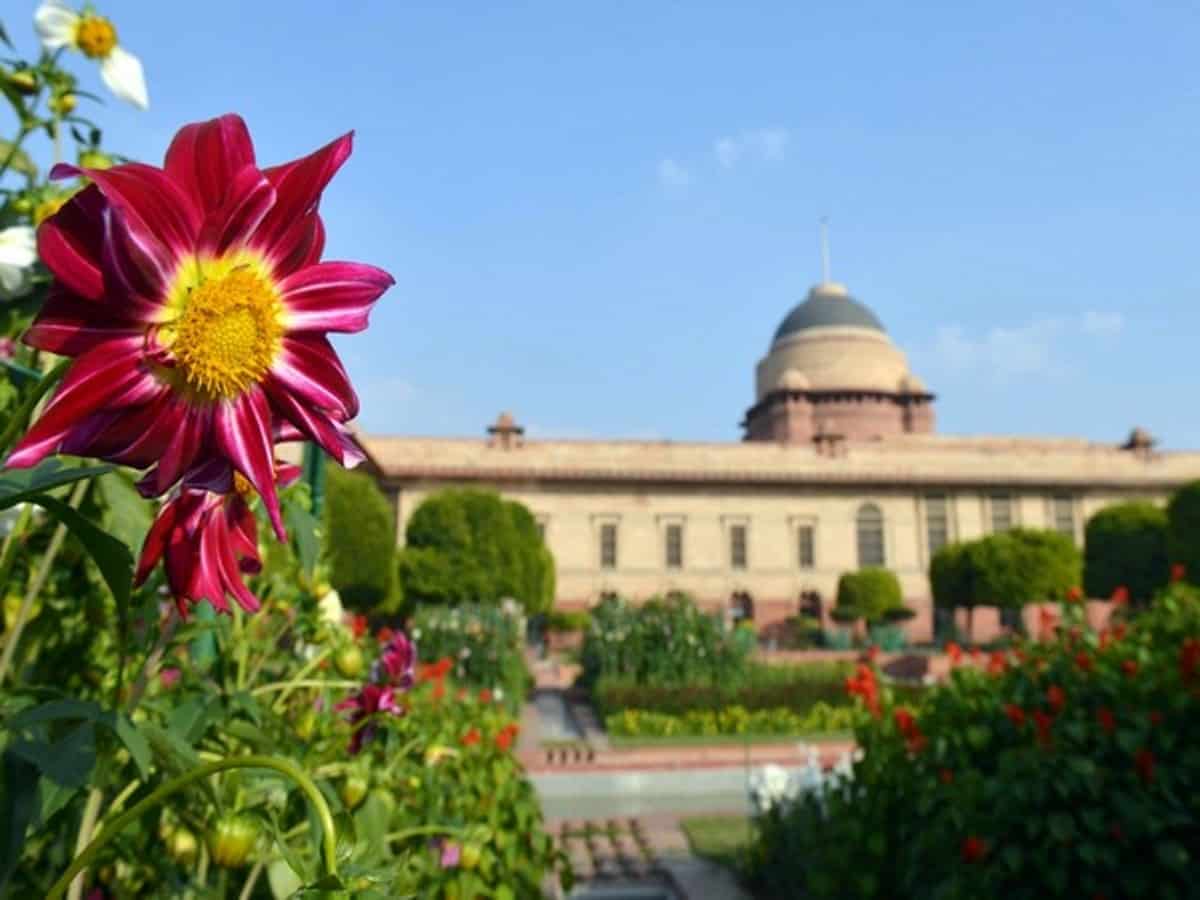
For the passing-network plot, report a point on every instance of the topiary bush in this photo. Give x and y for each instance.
(1183, 530)
(360, 541)
(1070, 768)
(471, 545)
(1126, 546)
(869, 593)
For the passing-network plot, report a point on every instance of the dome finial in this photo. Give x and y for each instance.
(825, 276)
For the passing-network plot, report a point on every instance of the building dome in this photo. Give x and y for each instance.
(828, 305)
(911, 384)
(793, 380)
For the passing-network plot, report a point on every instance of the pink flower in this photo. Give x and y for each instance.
(194, 305)
(371, 699)
(8, 348)
(451, 855)
(397, 662)
(206, 537)
(168, 678)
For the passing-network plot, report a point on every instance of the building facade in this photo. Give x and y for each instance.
(840, 468)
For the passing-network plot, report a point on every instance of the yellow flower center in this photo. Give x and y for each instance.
(228, 333)
(242, 486)
(95, 36)
(48, 207)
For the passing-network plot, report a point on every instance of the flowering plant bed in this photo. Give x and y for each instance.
(731, 721)
(1072, 764)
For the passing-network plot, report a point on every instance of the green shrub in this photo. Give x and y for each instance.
(732, 720)
(568, 620)
(869, 594)
(1071, 773)
(360, 541)
(1126, 546)
(663, 641)
(1183, 530)
(486, 643)
(470, 545)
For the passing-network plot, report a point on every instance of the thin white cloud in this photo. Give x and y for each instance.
(767, 144)
(1038, 348)
(672, 174)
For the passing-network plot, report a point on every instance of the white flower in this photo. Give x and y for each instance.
(498, 693)
(330, 607)
(18, 252)
(58, 25)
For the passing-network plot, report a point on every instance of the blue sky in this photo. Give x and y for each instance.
(598, 213)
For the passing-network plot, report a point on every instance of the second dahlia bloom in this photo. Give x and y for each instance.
(194, 303)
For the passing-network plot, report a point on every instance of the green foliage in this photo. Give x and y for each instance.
(1126, 546)
(1070, 770)
(360, 541)
(663, 641)
(1183, 530)
(818, 719)
(471, 546)
(568, 620)
(869, 593)
(486, 644)
(1009, 569)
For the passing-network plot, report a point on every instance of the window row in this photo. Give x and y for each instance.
(1001, 516)
(739, 556)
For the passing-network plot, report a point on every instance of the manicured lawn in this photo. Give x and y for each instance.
(719, 838)
(704, 740)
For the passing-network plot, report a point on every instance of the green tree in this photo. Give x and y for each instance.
(872, 594)
(1126, 546)
(470, 545)
(1183, 530)
(360, 541)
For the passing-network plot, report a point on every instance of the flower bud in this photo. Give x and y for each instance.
(232, 840)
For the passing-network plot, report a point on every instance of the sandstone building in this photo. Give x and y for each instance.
(840, 468)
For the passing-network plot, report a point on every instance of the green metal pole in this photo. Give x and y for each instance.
(314, 476)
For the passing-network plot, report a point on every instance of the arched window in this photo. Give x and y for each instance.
(870, 536)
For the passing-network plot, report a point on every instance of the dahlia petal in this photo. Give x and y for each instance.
(70, 241)
(300, 245)
(204, 157)
(308, 365)
(332, 296)
(193, 427)
(332, 436)
(213, 475)
(131, 437)
(106, 375)
(298, 186)
(243, 432)
(137, 269)
(148, 199)
(155, 543)
(286, 474)
(70, 325)
(231, 576)
(208, 583)
(249, 199)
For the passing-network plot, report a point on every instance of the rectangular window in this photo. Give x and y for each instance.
(806, 550)
(937, 522)
(1064, 515)
(608, 545)
(674, 546)
(1010, 617)
(1002, 512)
(737, 546)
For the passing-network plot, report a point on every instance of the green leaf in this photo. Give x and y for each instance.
(129, 514)
(18, 804)
(69, 761)
(1172, 854)
(1012, 857)
(283, 879)
(302, 526)
(111, 557)
(54, 797)
(1062, 827)
(135, 742)
(19, 161)
(57, 710)
(301, 870)
(21, 485)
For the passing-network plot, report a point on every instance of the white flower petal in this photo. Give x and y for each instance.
(55, 23)
(18, 246)
(122, 72)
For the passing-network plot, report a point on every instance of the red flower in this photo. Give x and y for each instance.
(997, 663)
(1056, 698)
(976, 654)
(504, 739)
(358, 625)
(471, 738)
(1189, 658)
(946, 776)
(1015, 714)
(1120, 597)
(1074, 594)
(974, 849)
(194, 307)
(384, 634)
(864, 684)
(461, 695)
(439, 689)
(1119, 631)
(1043, 722)
(207, 538)
(396, 662)
(904, 720)
(1083, 661)
(1046, 622)
(954, 652)
(370, 700)
(1156, 717)
(1178, 572)
(1107, 720)
(1129, 667)
(485, 696)
(1143, 761)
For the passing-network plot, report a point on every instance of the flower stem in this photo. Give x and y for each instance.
(283, 766)
(289, 686)
(60, 533)
(91, 812)
(419, 830)
(251, 879)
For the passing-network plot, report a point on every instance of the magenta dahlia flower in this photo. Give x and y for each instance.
(363, 706)
(396, 663)
(206, 538)
(196, 309)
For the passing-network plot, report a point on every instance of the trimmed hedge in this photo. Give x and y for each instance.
(1126, 546)
(468, 545)
(872, 593)
(1183, 530)
(360, 541)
